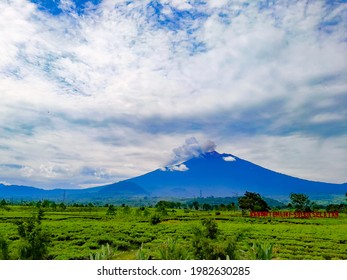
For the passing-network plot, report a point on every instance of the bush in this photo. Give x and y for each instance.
(111, 210)
(122, 245)
(170, 250)
(4, 255)
(259, 251)
(211, 228)
(106, 253)
(155, 219)
(34, 241)
(207, 246)
(207, 249)
(142, 254)
(146, 212)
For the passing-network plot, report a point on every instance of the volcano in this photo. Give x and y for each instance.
(215, 174)
(209, 174)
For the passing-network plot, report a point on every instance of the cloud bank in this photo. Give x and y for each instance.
(99, 91)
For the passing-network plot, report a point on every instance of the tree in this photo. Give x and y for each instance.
(54, 205)
(222, 207)
(206, 207)
(62, 206)
(337, 208)
(233, 206)
(253, 202)
(196, 205)
(126, 210)
(3, 205)
(45, 203)
(300, 202)
(111, 210)
(162, 205)
(34, 241)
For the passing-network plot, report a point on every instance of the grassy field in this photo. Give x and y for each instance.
(82, 232)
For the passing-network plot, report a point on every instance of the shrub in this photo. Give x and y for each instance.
(122, 245)
(126, 210)
(111, 210)
(170, 250)
(34, 241)
(155, 219)
(104, 241)
(146, 212)
(142, 254)
(230, 250)
(106, 253)
(4, 255)
(259, 251)
(211, 228)
(207, 246)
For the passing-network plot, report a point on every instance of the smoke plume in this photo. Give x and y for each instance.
(191, 148)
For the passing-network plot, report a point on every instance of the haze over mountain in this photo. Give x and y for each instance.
(209, 174)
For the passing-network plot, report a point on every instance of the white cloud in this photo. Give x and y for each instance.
(229, 158)
(328, 117)
(94, 90)
(217, 4)
(179, 167)
(67, 5)
(306, 157)
(178, 4)
(27, 171)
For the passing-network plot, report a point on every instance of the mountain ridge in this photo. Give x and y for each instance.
(209, 174)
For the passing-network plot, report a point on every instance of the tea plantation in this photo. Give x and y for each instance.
(149, 233)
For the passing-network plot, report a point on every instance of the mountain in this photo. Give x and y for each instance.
(26, 193)
(225, 174)
(210, 174)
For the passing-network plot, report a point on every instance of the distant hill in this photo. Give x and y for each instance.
(210, 174)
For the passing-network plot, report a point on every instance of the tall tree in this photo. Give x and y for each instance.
(253, 202)
(300, 202)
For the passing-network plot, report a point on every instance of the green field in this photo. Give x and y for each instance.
(79, 232)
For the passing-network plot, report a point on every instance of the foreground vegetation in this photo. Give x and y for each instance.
(37, 231)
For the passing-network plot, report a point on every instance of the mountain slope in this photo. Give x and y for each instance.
(210, 174)
(224, 174)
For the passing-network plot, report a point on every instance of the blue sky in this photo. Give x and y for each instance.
(94, 92)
